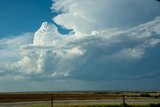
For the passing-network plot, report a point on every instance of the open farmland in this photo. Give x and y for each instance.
(46, 96)
(77, 98)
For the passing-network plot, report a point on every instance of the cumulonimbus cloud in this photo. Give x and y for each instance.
(53, 55)
(86, 16)
(94, 52)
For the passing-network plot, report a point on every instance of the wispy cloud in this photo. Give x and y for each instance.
(10, 47)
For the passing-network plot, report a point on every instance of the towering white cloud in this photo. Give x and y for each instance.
(53, 55)
(46, 35)
(102, 48)
(84, 16)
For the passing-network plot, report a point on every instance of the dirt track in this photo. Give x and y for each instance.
(64, 102)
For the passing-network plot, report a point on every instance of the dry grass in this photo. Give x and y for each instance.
(46, 96)
(103, 105)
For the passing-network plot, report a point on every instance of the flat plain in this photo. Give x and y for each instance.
(29, 99)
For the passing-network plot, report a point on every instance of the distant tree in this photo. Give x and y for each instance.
(145, 95)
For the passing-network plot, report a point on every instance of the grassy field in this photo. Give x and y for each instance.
(103, 105)
(46, 96)
(83, 97)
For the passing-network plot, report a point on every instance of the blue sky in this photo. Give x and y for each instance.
(19, 16)
(108, 48)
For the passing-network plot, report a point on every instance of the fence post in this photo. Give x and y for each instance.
(51, 101)
(124, 100)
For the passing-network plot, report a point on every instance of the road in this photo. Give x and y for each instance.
(64, 102)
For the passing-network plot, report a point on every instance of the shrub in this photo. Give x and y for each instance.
(145, 95)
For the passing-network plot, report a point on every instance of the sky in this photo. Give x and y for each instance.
(64, 45)
(19, 16)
